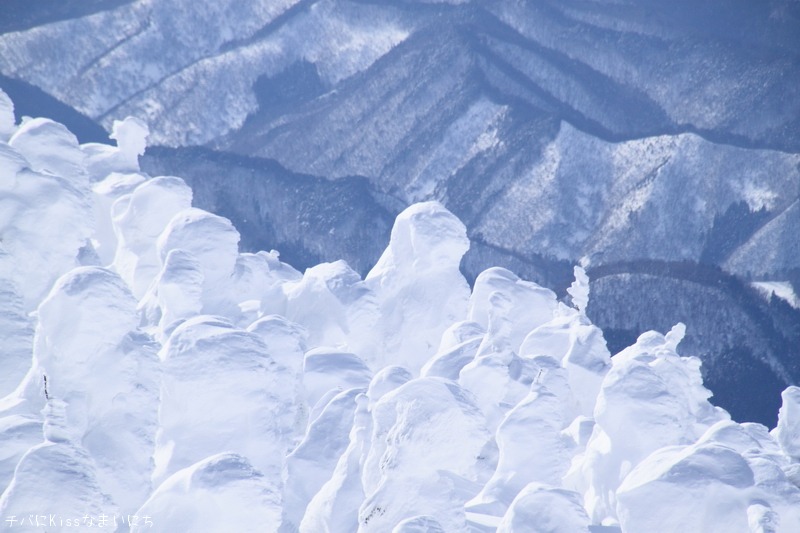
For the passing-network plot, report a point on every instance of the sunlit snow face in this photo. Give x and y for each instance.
(131, 136)
(88, 309)
(51, 148)
(211, 239)
(6, 116)
(429, 239)
(43, 224)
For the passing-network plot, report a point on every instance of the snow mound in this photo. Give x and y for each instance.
(139, 219)
(105, 193)
(418, 284)
(458, 347)
(175, 295)
(706, 486)
(44, 223)
(102, 159)
(115, 420)
(255, 288)
(50, 148)
(528, 304)
(335, 505)
(532, 447)
(223, 492)
(285, 340)
(7, 121)
(427, 434)
(87, 310)
(419, 524)
(19, 433)
(337, 307)
(788, 431)
(508, 308)
(326, 370)
(55, 479)
(220, 390)
(315, 459)
(16, 331)
(387, 380)
(544, 509)
(651, 388)
(214, 243)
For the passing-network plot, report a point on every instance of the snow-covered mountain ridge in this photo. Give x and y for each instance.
(622, 131)
(165, 381)
(581, 60)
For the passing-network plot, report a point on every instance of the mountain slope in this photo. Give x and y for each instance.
(728, 70)
(613, 130)
(309, 219)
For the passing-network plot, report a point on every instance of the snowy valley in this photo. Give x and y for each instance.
(158, 379)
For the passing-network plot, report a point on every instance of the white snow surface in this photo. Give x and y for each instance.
(156, 379)
(781, 289)
(7, 120)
